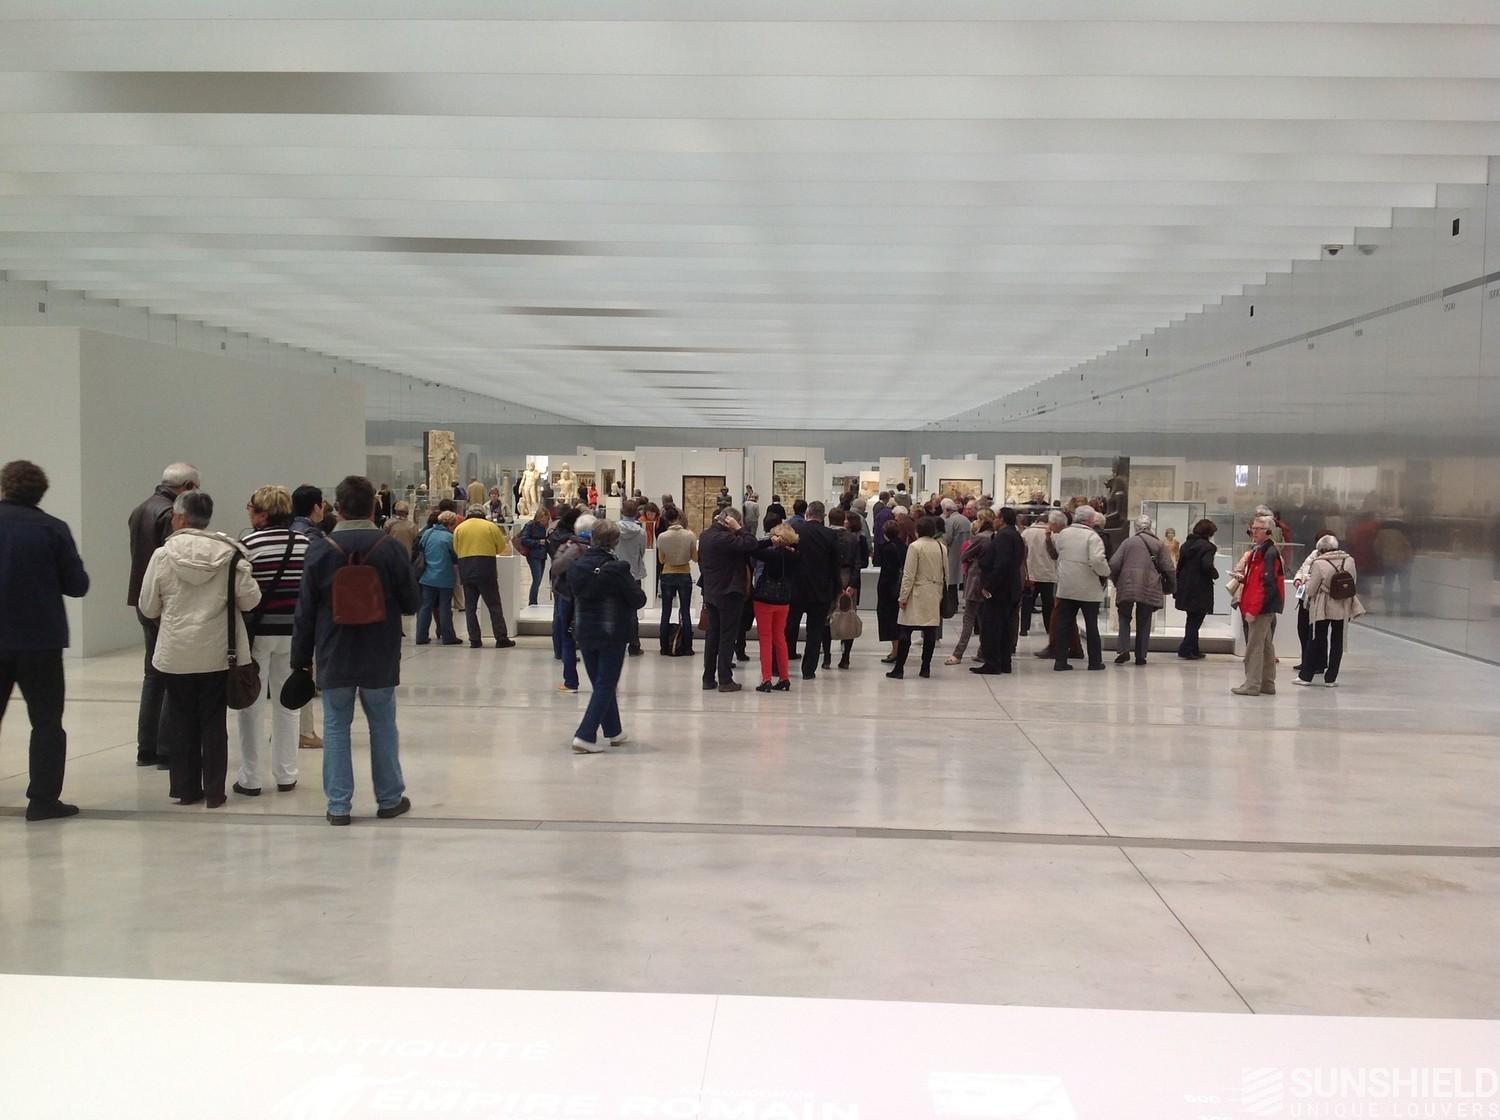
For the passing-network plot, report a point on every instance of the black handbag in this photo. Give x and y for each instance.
(419, 555)
(950, 601)
(776, 590)
(242, 685)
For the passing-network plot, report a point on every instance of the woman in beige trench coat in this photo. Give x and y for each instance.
(923, 580)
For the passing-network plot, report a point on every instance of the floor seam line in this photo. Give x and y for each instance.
(1067, 784)
(810, 831)
(708, 1049)
(1178, 919)
(72, 758)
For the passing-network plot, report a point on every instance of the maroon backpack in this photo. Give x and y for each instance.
(358, 590)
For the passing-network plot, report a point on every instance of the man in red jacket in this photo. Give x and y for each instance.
(1260, 603)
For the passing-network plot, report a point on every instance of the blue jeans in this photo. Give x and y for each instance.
(604, 665)
(385, 758)
(562, 639)
(679, 586)
(439, 599)
(536, 561)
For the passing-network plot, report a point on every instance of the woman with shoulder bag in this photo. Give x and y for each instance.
(437, 578)
(1144, 575)
(774, 556)
(276, 554)
(1195, 585)
(924, 577)
(843, 613)
(198, 584)
(532, 541)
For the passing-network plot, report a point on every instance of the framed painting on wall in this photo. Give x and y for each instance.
(845, 484)
(959, 488)
(1023, 478)
(789, 480)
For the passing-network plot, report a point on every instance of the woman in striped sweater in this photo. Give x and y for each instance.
(276, 556)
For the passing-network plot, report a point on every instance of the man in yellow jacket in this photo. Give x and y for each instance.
(477, 541)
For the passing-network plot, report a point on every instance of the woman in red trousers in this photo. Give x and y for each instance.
(775, 557)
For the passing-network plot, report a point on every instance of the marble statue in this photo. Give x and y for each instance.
(531, 479)
(442, 461)
(565, 485)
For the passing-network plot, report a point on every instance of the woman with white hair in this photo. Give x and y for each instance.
(1081, 570)
(1143, 572)
(1331, 602)
(197, 586)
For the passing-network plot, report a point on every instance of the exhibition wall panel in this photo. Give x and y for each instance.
(660, 470)
(39, 421)
(971, 477)
(769, 481)
(144, 405)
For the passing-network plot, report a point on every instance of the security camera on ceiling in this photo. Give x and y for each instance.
(1332, 250)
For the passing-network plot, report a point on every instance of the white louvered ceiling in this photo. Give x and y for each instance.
(768, 213)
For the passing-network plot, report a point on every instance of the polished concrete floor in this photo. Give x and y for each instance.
(1137, 839)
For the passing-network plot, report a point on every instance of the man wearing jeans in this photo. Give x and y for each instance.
(150, 525)
(39, 564)
(360, 661)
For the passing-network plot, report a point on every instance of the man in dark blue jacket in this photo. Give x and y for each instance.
(606, 598)
(363, 660)
(815, 585)
(39, 564)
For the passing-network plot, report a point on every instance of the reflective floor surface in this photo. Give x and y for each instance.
(1134, 839)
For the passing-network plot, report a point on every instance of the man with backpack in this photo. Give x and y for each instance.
(356, 584)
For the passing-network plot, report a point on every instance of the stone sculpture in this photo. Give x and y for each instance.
(530, 490)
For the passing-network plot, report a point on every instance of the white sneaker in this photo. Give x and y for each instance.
(583, 746)
(616, 740)
(1330, 684)
(1303, 683)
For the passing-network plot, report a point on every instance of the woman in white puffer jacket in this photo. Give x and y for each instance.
(187, 587)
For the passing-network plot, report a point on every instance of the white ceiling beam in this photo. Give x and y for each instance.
(1104, 134)
(97, 157)
(748, 98)
(1295, 11)
(776, 49)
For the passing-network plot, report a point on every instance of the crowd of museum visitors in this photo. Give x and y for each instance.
(310, 601)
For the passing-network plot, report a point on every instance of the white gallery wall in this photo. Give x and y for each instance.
(660, 470)
(39, 421)
(759, 463)
(106, 413)
(979, 472)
